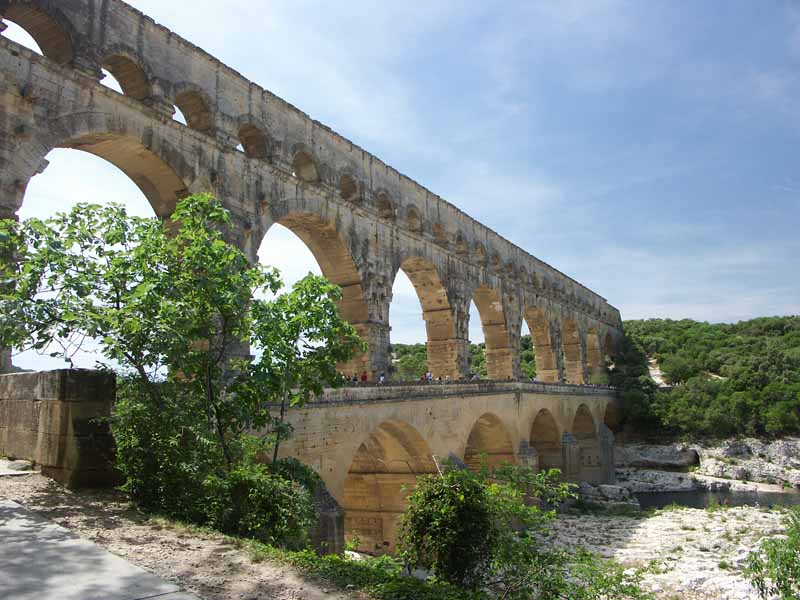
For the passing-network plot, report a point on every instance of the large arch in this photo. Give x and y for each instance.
(337, 265)
(594, 357)
(545, 438)
(442, 345)
(584, 430)
(383, 472)
(546, 363)
(50, 31)
(488, 441)
(573, 354)
(499, 353)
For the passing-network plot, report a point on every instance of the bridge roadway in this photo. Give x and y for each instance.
(368, 443)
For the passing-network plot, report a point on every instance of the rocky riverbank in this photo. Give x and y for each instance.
(691, 554)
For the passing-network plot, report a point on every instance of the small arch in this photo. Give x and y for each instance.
(440, 234)
(130, 76)
(383, 472)
(461, 244)
(50, 34)
(385, 206)
(413, 219)
(583, 427)
(496, 262)
(488, 442)
(480, 252)
(349, 188)
(196, 110)
(499, 353)
(304, 166)
(546, 439)
(254, 141)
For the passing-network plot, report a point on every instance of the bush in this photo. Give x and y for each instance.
(493, 535)
(774, 569)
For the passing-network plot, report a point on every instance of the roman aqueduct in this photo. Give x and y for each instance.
(363, 221)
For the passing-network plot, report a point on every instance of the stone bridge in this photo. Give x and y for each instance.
(370, 443)
(269, 163)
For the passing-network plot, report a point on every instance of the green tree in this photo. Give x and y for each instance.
(174, 311)
(488, 533)
(774, 568)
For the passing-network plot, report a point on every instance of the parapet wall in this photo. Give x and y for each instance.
(56, 420)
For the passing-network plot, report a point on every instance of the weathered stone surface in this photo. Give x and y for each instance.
(362, 220)
(775, 462)
(19, 465)
(648, 456)
(636, 481)
(54, 419)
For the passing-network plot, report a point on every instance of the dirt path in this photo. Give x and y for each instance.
(205, 564)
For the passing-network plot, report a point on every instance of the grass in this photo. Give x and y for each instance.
(379, 577)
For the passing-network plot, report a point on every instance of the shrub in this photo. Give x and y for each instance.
(774, 569)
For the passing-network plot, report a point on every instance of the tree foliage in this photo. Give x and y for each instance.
(774, 568)
(488, 534)
(175, 310)
(727, 379)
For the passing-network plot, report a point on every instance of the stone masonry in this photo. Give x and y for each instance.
(269, 163)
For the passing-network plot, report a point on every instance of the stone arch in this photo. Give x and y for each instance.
(594, 356)
(440, 326)
(413, 219)
(383, 472)
(349, 189)
(338, 265)
(480, 252)
(461, 244)
(589, 467)
(385, 206)
(611, 416)
(488, 441)
(440, 234)
(47, 27)
(195, 107)
(254, 140)
(129, 73)
(304, 166)
(573, 354)
(545, 438)
(546, 362)
(499, 352)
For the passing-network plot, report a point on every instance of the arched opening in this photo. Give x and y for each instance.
(477, 344)
(95, 175)
(383, 472)
(195, 110)
(541, 339)
(546, 440)
(52, 39)
(442, 347)
(408, 335)
(130, 77)
(440, 234)
(348, 189)
(109, 81)
(573, 359)
(499, 353)
(253, 141)
(585, 432)
(336, 264)
(594, 359)
(527, 353)
(488, 444)
(385, 206)
(304, 167)
(413, 219)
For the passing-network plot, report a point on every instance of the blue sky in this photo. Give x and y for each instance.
(647, 149)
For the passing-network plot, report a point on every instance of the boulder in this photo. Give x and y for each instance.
(672, 456)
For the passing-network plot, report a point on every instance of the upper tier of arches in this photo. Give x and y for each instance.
(151, 64)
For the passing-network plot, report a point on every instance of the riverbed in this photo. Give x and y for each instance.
(694, 554)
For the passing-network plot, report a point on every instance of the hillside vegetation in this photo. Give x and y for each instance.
(411, 360)
(727, 379)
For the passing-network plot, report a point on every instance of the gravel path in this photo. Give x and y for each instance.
(205, 564)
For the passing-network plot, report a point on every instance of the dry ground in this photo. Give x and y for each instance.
(206, 564)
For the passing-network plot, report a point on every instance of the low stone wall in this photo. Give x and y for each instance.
(55, 419)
